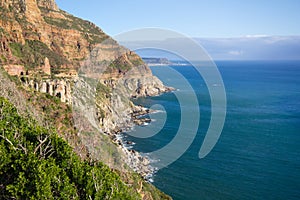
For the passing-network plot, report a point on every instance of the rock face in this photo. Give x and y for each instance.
(122, 75)
(49, 4)
(14, 70)
(37, 35)
(61, 37)
(46, 67)
(47, 48)
(59, 88)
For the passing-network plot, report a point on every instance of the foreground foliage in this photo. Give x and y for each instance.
(37, 164)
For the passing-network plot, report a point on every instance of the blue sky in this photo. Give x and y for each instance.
(195, 18)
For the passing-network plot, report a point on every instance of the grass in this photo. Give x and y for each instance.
(136, 62)
(123, 65)
(34, 52)
(102, 91)
(90, 31)
(3, 59)
(61, 23)
(120, 65)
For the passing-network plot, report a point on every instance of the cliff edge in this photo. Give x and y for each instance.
(62, 62)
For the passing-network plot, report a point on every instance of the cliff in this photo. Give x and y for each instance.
(55, 55)
(39, 40)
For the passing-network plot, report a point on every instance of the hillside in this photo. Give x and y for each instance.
(37, 164)
(68, 77)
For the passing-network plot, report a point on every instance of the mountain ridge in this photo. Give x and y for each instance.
(48, 54)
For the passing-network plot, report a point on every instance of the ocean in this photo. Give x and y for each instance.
(258, 153)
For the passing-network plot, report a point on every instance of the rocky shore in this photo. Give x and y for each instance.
(49, 50)
(78, 80)
(134, 159)
(116, 114)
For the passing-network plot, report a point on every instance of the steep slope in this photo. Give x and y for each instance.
(30, 26)
(58, 57)
(37, 164)
(46, 44)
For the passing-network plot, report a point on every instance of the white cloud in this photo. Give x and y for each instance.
(256, 36)
(236, 53)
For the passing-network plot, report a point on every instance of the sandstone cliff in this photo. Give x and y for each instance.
(53, 52)
(43, 43)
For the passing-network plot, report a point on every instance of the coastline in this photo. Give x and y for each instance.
(122, 116)
(135, 160)
(167, 65)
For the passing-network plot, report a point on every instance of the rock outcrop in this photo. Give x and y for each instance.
(14, 70)
(123, 75)
(56, 53)
(60, 88)
(48, 4)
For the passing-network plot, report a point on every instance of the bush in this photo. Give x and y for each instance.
(34, 52)
(37, 164)
(91, 32)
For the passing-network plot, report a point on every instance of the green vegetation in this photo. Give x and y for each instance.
(124, 63)
(42, 154)
(33, 54)
(37, 164)
(83, 25)
(136, 61)
(149, 188)
(61, 23)
(95, 39)
(123, 67)
(90, 31)
(54, 112)
(4, 14)
(102, 91)
(3, 59)
(120, 65)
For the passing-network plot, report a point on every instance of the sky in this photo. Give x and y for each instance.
(237, 48)
(194, 18)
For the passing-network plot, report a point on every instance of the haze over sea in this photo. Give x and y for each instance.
(257, 155)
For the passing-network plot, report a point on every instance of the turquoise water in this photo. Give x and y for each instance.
(258, 153)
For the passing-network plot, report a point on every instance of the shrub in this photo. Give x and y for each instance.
(33, 54)
(37, 164)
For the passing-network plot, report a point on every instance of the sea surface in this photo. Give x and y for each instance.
(258, 153)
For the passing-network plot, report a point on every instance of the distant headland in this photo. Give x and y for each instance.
(153, 61)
